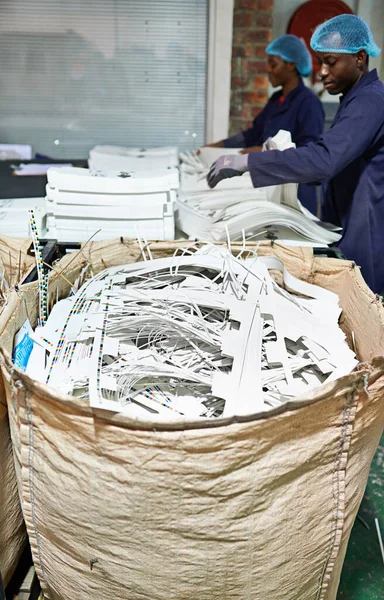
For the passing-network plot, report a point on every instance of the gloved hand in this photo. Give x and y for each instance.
(227, 166)
(269, 144)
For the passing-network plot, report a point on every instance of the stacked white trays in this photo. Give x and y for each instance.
(81, 202)
(110, 158)
(14, 216)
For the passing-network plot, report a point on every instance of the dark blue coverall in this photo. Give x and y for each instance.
(301, 114)
(350, 158)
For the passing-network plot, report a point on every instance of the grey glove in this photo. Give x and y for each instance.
(229, 165)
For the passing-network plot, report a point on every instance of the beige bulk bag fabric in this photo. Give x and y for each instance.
(12, 529)
(14, 265)
(257, 508)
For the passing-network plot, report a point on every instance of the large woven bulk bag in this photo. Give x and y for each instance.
(246, 508)
(12, 530)
(14, 265)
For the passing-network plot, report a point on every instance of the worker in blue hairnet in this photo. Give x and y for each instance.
(349, 157)
(294, 108)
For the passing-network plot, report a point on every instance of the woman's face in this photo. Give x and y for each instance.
(278, 70)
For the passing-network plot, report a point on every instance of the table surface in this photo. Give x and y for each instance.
(13, 186)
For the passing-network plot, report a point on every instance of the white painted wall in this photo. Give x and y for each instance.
(219, 69)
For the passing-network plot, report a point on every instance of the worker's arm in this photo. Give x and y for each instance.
(344, 142)
(251, 149)
(310, 126)
(219, 144)
(251, 138)
(254, 136)
(235, 141)
(310, 122)
(356, 130)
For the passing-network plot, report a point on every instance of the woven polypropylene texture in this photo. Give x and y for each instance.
(257, 509)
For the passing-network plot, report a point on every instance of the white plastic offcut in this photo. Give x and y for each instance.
(200, 335)
(120, 157)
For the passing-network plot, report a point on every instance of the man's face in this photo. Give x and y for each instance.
(339, 72)
(278, 70)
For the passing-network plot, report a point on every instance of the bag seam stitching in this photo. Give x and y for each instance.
(338, 491)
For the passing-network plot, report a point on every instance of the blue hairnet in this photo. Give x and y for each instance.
(345, 34)
(291, 49)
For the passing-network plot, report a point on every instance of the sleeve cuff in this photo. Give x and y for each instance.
(235, 141)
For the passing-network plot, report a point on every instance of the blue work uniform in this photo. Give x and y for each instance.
(302, 114)
(350, 158)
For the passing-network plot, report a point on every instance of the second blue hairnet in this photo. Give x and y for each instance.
(345, 34)
(291, 49)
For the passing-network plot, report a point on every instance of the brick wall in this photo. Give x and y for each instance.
(252, 31)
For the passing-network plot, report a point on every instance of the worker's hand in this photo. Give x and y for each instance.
(227, 166)
(213, 145)
(219, 144)
(250, 149)
(269, 144)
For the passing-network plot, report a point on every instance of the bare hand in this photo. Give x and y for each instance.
(250, 149)
(219, 144)
(213, 145)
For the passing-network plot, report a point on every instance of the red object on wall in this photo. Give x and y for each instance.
(311, 14)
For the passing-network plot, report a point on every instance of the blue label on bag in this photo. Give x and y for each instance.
(22, 352)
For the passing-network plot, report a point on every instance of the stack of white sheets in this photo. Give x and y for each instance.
(14, 216)
(224, 215)
(235, 209)
(80, 202)
(111, 158)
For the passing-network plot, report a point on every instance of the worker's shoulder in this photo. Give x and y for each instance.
(308, 101)
(376, 87)
(308, 95)
(275, 96)
(372, 92)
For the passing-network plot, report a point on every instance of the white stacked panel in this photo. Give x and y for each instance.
(198, 212)
(113, 181)
(107, 158)
(14, 216)
(82, 202)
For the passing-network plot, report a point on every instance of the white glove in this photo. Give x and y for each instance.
(269, 144)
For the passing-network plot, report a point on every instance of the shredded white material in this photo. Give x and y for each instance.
(199, 335)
